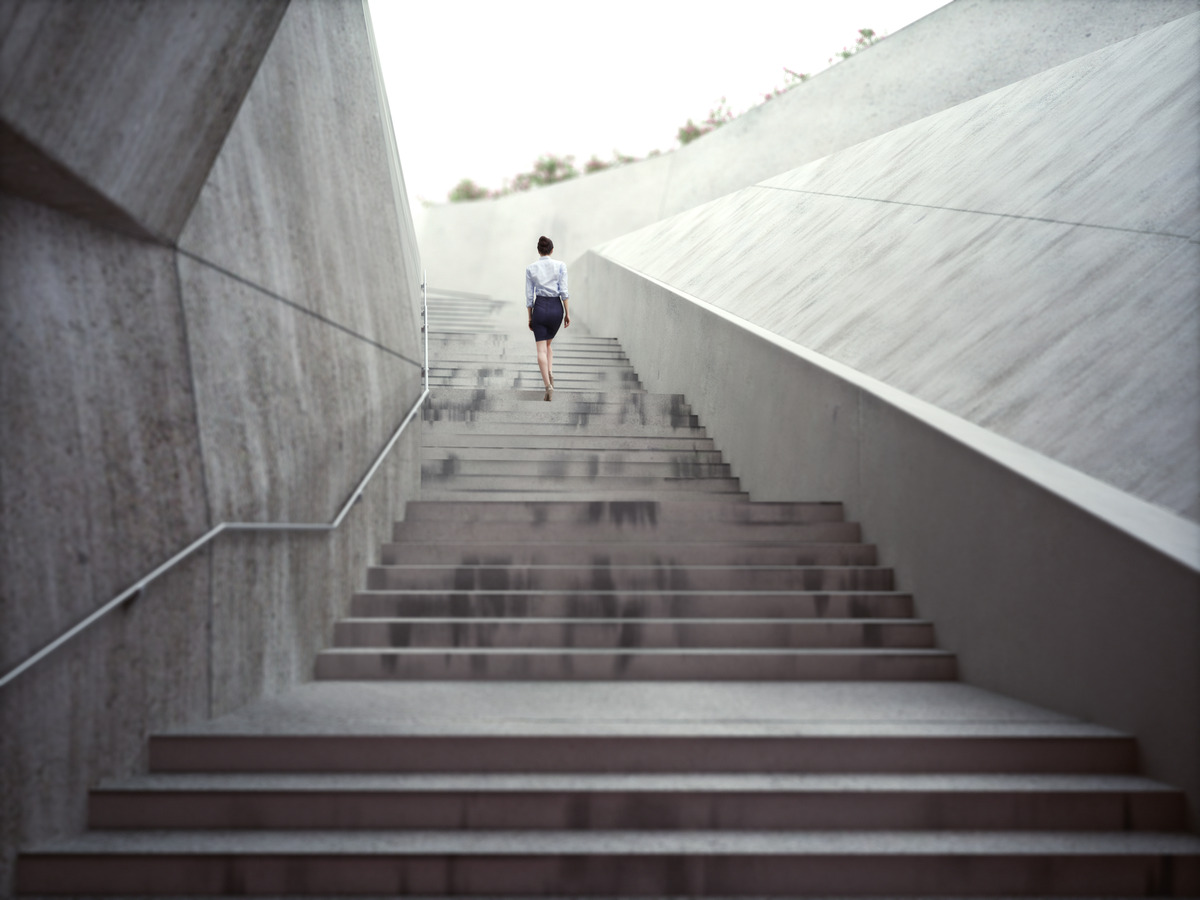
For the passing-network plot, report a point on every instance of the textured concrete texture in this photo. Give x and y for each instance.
(1044, 234)
(944, 709)
(343, 258)
(66, 67)
(959, 52)
(152, 391)
(1014, 558)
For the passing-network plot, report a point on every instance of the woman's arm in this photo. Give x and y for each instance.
(529, 296)
(562, 293)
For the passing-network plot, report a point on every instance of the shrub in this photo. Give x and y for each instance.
(467, 190)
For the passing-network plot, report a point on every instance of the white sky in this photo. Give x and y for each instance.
(481, 88)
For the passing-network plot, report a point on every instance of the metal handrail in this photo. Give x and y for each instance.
(137, 587)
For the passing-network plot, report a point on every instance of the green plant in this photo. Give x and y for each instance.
(467, 190)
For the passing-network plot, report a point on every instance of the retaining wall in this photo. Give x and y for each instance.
(210, 312)
(1029, 260)
(980, 332)
(1050, 586)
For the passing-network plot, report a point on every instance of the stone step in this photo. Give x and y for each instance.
(446, 400)
(548, 551)
(472, 315)
(630, 578)
(603, 457)
(574, 440)
(566, 368)
(624, 514)
(561, 414)
(525, 361)
(458, 356)
(451, 491)
(664, 604)
(506, 338)
(455, 396)
(531, 380)
(483, 334)
(500, 467)
(576, 367)
(675, 664)
(617, 863)
(521, 337)
(632, 633)
(510, 373)
(420, 531)
(906, 746)
(458, 316)
(639, 802)
(646, 435)
(452, 479)
(470, 332)
(501, 379)
(455, 346)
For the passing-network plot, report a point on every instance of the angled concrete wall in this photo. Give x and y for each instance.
(1027, 260)
(961, 51)
(867, 327)
(185, 66)
(247, 363)
(1051, 587)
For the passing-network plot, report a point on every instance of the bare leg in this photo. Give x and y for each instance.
(543, 355)
(550, 362)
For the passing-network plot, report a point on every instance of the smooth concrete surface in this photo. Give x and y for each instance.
(615, 708)
(1028, 261)
(151, 392)
(270, 381)
(961, 51)
(101, 479)
(1040, 597)
(127, 100)
(298, 201)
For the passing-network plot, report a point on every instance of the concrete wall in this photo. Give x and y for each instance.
(959, 52)
(1027, 260)
(247, 363)
(1050, 586)
(64, 67)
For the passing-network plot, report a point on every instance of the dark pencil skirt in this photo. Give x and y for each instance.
(547, 317)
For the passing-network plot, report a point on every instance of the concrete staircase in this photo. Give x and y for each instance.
(589, 665)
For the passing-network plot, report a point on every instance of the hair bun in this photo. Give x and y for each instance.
(545, 245)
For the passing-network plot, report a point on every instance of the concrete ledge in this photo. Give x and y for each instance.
(1051, 586)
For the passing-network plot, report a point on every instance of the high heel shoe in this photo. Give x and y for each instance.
(549, 392)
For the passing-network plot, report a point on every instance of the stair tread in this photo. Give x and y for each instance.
(637, 651)
(604, 565)
(715, 782)
(647, 542)
(630, 592)
(626, 842)
(638, 710)
(633, 620)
